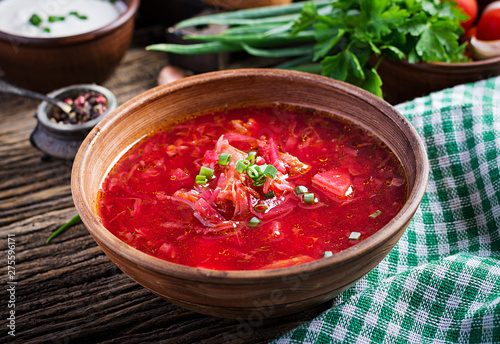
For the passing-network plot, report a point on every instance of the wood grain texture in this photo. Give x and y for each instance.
(68, 291)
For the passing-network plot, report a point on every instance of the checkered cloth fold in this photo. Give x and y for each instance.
(441, 282)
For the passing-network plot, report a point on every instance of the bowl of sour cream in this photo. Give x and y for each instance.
(45, 45)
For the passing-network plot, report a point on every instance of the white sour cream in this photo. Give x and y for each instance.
(15, 16)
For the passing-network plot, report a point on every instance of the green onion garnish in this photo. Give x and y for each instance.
(354, 236)
(269, 194)
(253, 172)
(224, 159)
(53, 19)
(201, 179)
(35, 20)
(259, 182)
(251, 157)
(61, 229)
(300, 190)
(327, 254)
(375, 214)
(308, 198)
(206, 171)
(270, 171)
(260, 208)
(78, 15)
(254, 222)
(46, 29)
(241, 165)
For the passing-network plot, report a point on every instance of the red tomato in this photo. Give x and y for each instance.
(470, 8)
(488, 27)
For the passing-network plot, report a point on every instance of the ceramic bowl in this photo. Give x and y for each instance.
(245, 294)
(62, 141)
(46, 64)
(403, 81)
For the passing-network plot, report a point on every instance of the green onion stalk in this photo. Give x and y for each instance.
(335, 38)
(61, 229)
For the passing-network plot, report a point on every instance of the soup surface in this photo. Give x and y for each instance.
(57, 18)
(249, 188)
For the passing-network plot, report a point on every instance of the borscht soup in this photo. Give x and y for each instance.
(255, 187)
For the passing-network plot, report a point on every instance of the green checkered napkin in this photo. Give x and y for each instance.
(441, 283)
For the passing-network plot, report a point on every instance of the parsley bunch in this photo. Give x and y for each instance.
(337, 38)
(355, 30)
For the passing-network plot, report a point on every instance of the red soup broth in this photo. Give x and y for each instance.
(249, 188)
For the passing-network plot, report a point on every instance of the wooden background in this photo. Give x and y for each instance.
(68, 291)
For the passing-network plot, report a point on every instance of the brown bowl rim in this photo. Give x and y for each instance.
(132, 9)
(102, 236)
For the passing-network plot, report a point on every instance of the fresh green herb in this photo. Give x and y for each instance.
(308, 198)
(254, 222)
(253, 171)
(242, 165)
(199, 179)
(300, 190)
(270, 171)
(251, 157)
(206, 171)
(260, 208)
(269, 195)
(260, 181)
(224, 159)
(53, 19)
(337, 38)
(61, 229)
(375, 214)
(46, 29)
(35, 20)
(78, 15)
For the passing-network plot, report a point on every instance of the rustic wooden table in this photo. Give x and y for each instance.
(68, 291)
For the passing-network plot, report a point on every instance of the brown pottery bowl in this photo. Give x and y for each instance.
(45, 64)
(403, 81)
(256, 293)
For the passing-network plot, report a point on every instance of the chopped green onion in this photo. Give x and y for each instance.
(300, 190)
(206, 171)
(241, 165)
(35, 20)
(254, 222)
(269, 194)
(308, 197)
(260, 182)
(354, 236)
(253, 172)
(260, 208)
(201, 179)
(327, 254)
(270, 171)
(61, 229)
(375, 214)
(53, 19)
(224, 159)
(251, 156)
(46, 29)
(78, 15)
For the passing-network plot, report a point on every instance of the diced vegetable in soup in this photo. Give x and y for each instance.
(258, 187)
